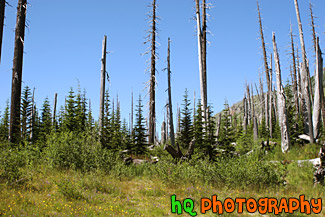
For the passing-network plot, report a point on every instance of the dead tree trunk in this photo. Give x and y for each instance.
(171, 123)
(152, 92)
(318, 100)
(17, 69)
(102, 86)
(163, 133)
(282, 111)
(294, 80)
(271, 99)
(54, 109)
(131, 121)
(249, 107)
(268, 96)
(32, 117)
(245, 119)
(202, 55)
(255, 126)
(2, 18)
(304, 76)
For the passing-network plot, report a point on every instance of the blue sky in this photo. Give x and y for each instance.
(64, 38)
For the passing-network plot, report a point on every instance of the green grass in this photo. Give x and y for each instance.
(31, 186)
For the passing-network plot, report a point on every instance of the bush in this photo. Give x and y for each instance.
(81, 152)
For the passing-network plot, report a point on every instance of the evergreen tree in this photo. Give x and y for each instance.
(226, 134)
(140, 137)
(198, 126)
(4, 124)
(81, 110)
(70, 112)
(107, 128)
(210, 136)
(46, 118)
(186, 128)
(26, 109)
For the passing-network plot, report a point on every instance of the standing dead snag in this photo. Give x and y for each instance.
(268, 120)
(318, 98)
(255, 125)
(152, 81)
(2, 18)
(17, 70)
(294, 80)
(304, 76)
(202, 52)
(170, 107)
(54, 110)
(102, 86)
(282, 111)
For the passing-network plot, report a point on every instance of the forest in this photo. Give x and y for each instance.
(69, 160)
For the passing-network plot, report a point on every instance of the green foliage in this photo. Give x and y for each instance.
(46, 119)
(69, 190)
(140, 137)
(25, 112)
(76, 151)
(4, 124)
(226, 133)
(186, 127)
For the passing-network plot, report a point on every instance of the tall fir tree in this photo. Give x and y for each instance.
(25, 112)
(226, 134)
(140, 136)
(4, 124)
(46, 119)
(70, 112)
(186, 127)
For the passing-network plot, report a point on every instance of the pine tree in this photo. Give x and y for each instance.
(106, 131)
(198, 126)
(226, 134)
(81, 111)
(140, 137)
(186, 128)
(25, 111)
(46, 119)
(210, 133)
(4, 124)
(70, 112)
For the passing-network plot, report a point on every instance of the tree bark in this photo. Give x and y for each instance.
(304, 75)
(32, 117)
(294, 80)
(17, 69)
(2, 18)
(54, 109)
(318, 99)
(170, 107)
(249, 105)
(282, 111)
(255, 126)
(245, 119)
(202, 55)
(102, 86)
(152, 102)
(268, 96)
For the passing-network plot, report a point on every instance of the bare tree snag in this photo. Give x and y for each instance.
(2, 18)
(202, 55)
(14, 130)
(218, 125)
(102, 86)
(54, 109)
(271, 99)
(282, 111)
(152, 92)
(304, 75)
(245, 119)
(163, 133)
(294, 75)
(131, 121)
(255, 126)
(170, 112)
(268, 96)
(32, 116)
(318, 99)
(249, 105)
(312, 24)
